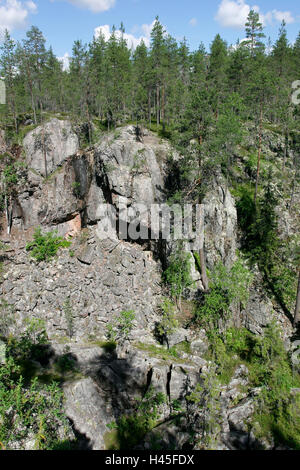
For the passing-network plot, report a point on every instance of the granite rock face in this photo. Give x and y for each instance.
(101, 280)
(46, 147)
(220, 226)
(100, 277)
(128, 175)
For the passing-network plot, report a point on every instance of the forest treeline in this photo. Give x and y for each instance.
(165, 83)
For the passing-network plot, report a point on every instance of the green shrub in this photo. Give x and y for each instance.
(276, 409)
(178, 274)
(65, 363)
(120, 328)
(28, 408)
(168, 323)
(45, 246)
(204, 419)
(6, 317)
(129, 430)
(226, 286)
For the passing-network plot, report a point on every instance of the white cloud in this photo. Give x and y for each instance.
(283, 16)
(132, 41)
(65, 60)
(14, 13)
(96, 6)
(32, 7)
(234, 13)
(193, 21)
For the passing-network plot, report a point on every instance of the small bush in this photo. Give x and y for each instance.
(178, 275)
(45, 246)
(226, 286)
(168, 323)
(29, 408)
(121, 327)
(130, 430)
(277, 410)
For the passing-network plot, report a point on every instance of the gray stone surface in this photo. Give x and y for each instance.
(56, 138)
(95, 279)
(105, 277)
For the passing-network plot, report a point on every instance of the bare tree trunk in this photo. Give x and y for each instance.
(8, 213)
(259, 151)
(297, 308)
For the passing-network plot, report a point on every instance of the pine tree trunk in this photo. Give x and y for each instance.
(285, 150)
(297, 308)
(163, 107)
(149, 108)
(33, 108)
(292, 191)
(157, 106)
(259, 151)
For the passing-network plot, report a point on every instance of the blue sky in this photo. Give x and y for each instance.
(63, 21)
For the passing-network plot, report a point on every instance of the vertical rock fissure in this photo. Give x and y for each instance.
(168, 386)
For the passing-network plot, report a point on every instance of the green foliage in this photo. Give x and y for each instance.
(65, 363)
(8, 181)
(111, 333)
(31, 344)
(6, 317)
(10, 176)
(76, 188)
(121, 327)
(225, 287)
(130, 429)
(262, 244)
(254, 31)
(168, 323)
(205, 418)
(125, 323)
(29, 409)
(269, 366)
(159, 352)
(245, 207)
(177, 276)
(45, 246)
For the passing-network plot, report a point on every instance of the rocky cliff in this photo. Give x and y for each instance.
(61, 188)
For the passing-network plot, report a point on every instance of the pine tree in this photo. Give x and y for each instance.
(97, 72)
(217, 71)
(8, 68)
(281, 51)
(159, 64)
(141, 85)
(254, 32)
